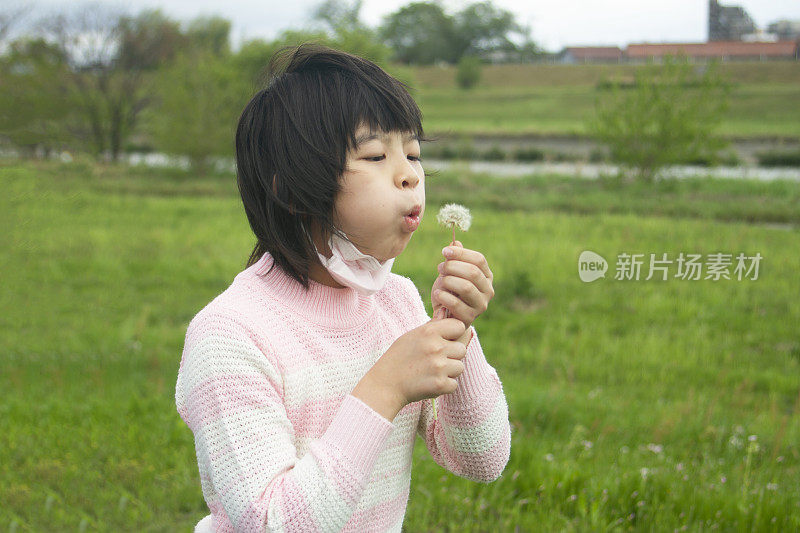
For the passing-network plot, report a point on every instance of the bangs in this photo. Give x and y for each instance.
(383, 109)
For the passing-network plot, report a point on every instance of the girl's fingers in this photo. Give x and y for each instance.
(458, 309)
(471, 256)
(469, 272)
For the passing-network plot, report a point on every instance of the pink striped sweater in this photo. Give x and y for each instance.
(264, 384)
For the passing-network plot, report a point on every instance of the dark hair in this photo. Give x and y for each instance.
(292, 141)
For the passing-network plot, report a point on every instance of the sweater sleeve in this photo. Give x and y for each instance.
(230, 394)
(472, 434)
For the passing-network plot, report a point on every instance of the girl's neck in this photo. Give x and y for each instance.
(320, 274)
(316, 271)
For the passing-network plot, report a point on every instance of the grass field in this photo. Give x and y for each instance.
(635, 405)
(556, 99)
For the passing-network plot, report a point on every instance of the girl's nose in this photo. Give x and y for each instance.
(408, 176)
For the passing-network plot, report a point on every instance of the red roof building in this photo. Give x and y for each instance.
(591, 54)
(723, 50)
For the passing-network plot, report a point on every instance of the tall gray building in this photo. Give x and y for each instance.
(728, 23)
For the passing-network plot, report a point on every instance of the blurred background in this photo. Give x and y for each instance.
(654, 403)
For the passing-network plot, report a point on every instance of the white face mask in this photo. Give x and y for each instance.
(350, 267)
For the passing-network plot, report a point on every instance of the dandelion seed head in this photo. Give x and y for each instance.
(454, 215)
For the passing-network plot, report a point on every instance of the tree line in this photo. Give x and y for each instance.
(96, 78)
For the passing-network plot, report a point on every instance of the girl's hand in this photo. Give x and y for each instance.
(465, 282)
(422, 363)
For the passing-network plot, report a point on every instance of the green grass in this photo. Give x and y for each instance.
(557, 99)
(103, 267)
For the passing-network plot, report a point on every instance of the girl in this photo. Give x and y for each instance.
(306, 381)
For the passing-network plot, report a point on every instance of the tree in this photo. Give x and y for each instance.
(148, 41)
(668, 116)
(33, 109)
(483, 30)
(200, 99)
(347, 32)
(252, 59)
(420, 33)
(108, 56)
(211, 34)
(337, 14)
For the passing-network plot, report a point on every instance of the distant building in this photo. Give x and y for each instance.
(785, 30)
(728, 23)
(640, 53)
(760, 36)
(724, 51)
(590, 54)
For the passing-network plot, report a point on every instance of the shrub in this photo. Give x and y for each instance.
(528, 154)
(495, 153)
(469, 72)
(598, 155)
(669, 116)
(776, 158)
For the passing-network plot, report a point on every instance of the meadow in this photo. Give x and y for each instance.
(635, 405)
(541, 99)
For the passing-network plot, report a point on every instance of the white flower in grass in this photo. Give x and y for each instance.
(454, 215)
(655, 448)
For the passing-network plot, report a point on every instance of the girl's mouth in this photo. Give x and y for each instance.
(412, 222)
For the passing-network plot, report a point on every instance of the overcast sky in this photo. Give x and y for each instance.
(553, 24)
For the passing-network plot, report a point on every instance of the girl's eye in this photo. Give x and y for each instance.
(375, 158)
(415, 158)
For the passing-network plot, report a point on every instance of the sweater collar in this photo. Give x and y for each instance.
(321, 304)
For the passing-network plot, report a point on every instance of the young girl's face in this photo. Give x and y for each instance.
(383, 183)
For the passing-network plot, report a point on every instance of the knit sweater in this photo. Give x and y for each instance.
(265, 384)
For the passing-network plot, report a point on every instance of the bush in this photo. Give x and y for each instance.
(465, 149)
(776, 158)
(563, 157)
(729, 159)
(528, 154)
(469, 72)
(495, 153)
(668, 117)
(598, 155)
